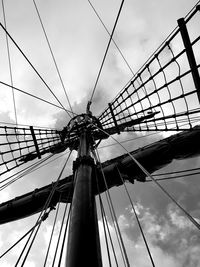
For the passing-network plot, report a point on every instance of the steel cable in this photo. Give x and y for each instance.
(33, 67)
(110, 39)
(155, 181)
(9, 62)
(53, 57)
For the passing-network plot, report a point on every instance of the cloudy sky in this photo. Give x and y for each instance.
(78, 41)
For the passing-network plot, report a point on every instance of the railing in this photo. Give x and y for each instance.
(21, 144)
(165, 92)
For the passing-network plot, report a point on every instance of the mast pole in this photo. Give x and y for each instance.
(83, 248)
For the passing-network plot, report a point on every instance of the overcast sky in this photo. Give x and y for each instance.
(78, 41)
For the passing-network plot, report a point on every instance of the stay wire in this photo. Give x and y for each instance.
(27, 170)
(52, 54)
(113, 219)
(37, 224)
(18, 241)
(61, 228)
(109, 200)
(30, 246)
(155, 181)
(64, 236)
(138, 221)
(105, 233)
(60, 232)
(34, 96)
(110, 39)
(67, 111)
(116, 45)
(9, 63)
(174, 177)
(107, 226)
(42, 213)
(52, 232)
(181, 171)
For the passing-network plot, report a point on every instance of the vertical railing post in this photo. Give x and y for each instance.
(83, 247)
(190, 54)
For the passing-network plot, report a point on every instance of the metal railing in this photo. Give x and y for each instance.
(21, 144)
(165, 93)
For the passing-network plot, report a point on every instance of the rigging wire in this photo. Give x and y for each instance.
(34, 96)
(27, 170)
(110, 203)
(64, 236)
(41, 78)
(173, 177)
(116, 45)
(52, 54)
(139, 137)
(19, 240)
(37, 224)
(165, 40)
(108, 230)
(105, 236)
(61, 228)
(102, 216)
(154, 180)
(52, 232)
(42, 213)
(113, 219)
(9, 62)
(110, 39)
(186, 170)
(35, 126)
(138, 221)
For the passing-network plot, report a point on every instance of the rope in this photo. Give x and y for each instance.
(109, 200)
(174, 177)
(34, 96)
(9, 62)
(106, 29)
(117, 47)
(33, 67)
(105, 234)
(27, 170)
(155, 181)
(52, 232)
(52, 54)
(111, 242)
(64, 237)
(113, 219)
(58, 241)
(138, 221)
(18, 241)
(111, 36)
(43, 212)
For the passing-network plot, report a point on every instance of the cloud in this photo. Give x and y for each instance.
(172, 239)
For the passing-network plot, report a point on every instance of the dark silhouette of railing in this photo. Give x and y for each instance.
(165, 92)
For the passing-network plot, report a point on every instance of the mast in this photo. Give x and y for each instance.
(83, 248)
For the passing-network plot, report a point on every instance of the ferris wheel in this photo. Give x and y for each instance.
(77, 188)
